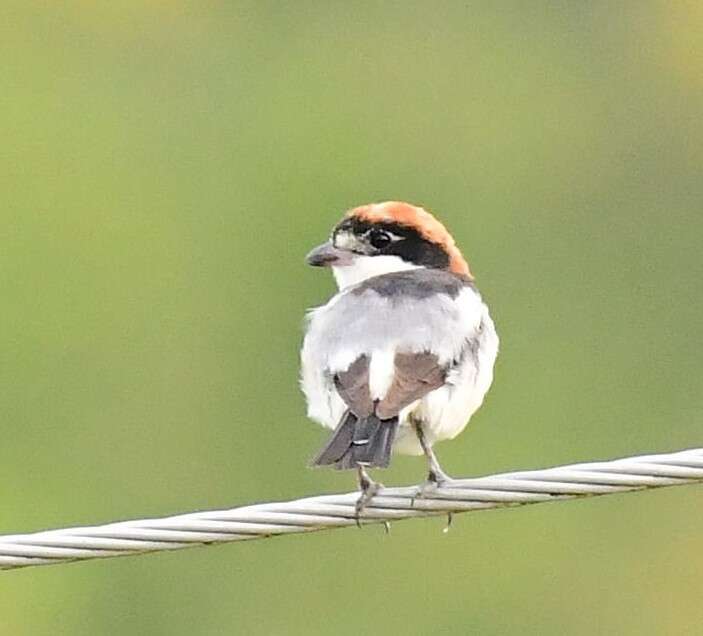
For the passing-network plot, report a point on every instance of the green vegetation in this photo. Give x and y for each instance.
(164, 169)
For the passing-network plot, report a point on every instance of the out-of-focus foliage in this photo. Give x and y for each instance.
(164, 168)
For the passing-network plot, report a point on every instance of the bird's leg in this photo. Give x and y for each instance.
(369, 488)
(435, 476)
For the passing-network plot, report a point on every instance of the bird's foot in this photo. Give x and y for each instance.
(435, 479)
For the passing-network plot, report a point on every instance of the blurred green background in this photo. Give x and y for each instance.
(165, 167)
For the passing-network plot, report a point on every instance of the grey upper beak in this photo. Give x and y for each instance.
(326, 255)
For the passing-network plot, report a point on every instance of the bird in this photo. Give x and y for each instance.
(403, 354)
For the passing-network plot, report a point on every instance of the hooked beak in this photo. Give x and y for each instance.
(327, 255)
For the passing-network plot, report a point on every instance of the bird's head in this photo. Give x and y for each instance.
(380, 238)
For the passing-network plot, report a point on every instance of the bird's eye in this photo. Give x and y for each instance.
(379, 239)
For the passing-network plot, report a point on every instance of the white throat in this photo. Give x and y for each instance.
(364, 267)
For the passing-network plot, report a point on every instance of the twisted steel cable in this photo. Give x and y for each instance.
(337, 511)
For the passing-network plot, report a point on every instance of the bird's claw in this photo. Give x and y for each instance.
(435, 480)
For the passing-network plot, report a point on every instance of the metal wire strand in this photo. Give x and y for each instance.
(337, 511)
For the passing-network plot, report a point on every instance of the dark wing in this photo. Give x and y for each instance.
(353, 387)
(416, 374)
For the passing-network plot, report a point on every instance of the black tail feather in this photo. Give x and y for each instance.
(366, 441)
(338, 444)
